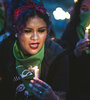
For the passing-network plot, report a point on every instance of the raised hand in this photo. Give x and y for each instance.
(81, 46)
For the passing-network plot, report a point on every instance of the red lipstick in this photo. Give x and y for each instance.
(34, 45)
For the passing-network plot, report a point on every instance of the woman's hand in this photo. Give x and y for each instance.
(81, 46)
(42, 90)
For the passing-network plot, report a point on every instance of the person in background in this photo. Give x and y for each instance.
(76, 40)
(3, 20)
(28, 46)
(2, 16)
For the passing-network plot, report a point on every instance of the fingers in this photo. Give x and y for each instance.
(40, 88)
(84, 49)
(81, 46)
(78, 51)
(42, 83)
(35, 90)
(37, 85)
(83, 43)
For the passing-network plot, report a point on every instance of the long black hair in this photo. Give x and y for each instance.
(69, 36)
(75, 19)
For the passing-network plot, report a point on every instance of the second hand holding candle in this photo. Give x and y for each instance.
(86, 31)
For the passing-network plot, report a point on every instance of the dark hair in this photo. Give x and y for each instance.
(75, 16)
(75, 19)
(20, 23)
(17, 25)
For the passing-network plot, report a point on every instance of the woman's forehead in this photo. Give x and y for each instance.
(35, 20)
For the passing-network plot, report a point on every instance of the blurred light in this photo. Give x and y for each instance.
(60, 14)
(75, 1)
(53, 38)
(67, 15)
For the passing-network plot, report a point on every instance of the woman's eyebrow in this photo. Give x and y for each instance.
(42, 27)
(28, 28)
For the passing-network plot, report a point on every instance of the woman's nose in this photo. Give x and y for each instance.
(35, 36)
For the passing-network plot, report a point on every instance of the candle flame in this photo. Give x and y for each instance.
(36, 71)
(86, 31)
(75, 1)
(88, 27)
(35, 67)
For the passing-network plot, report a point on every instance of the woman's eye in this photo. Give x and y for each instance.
(41, 30)
(27, 31)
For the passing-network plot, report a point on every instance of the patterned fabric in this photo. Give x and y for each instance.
(24, 66)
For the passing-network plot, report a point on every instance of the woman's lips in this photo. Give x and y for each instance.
(34, 45)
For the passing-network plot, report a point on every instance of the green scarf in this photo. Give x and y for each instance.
(85, 21)
(24, 65)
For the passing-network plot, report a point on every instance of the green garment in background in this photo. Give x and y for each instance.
(2, 19)
(24, 64)
(85, 21)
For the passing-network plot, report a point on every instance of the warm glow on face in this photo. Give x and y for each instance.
(34, 35)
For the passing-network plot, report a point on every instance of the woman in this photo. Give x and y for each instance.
(79, 50)
(32, 47)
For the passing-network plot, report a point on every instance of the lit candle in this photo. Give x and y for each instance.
(36, 69)
(86, 31)
(75, 1)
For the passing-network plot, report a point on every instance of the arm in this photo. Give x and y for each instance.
(81, 46)
(42, 90)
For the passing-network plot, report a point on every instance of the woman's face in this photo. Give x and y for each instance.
(85, 6)
(34, 35)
